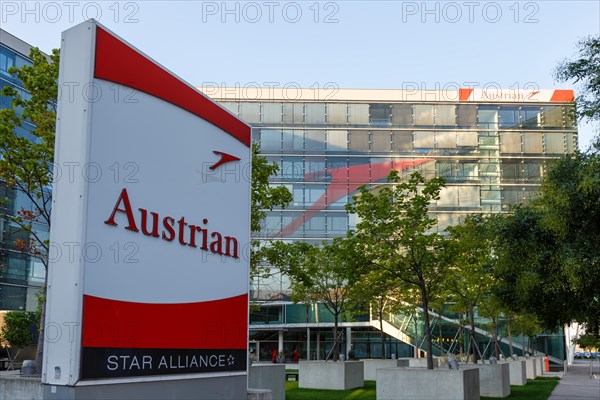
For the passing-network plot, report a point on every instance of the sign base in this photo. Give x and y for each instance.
(217, 388)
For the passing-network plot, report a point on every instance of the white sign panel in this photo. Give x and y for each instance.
(152, 203)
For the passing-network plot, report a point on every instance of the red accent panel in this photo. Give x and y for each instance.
(562, 96)
(119, 63)
(464, 94)
(218, 324)
(346, 180)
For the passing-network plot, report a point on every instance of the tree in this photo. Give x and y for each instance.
(16, 332)
(584, 70)
(395, 230)
(529, 277)
(469, 280)
(264, 197)
(27, 157)
(570, 211)
(375, 291)
(323, 276)
(588, 342)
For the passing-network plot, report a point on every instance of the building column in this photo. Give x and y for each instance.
(348, 341)
(280, 340)
(307, 343)
(318, 345)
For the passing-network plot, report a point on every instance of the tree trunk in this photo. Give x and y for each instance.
(523, 345)
(336, 348)
(39, 355)
(440, 333)
(428, 345)
(474, 347)
(496, 344)
(510, 343)
(416, 336)
(383, 353)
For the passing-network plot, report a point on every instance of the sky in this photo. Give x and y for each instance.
(329, 44)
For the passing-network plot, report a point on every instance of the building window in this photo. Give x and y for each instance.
(337, 141)
(358, 114)
(402, 114)
(271, 113)
(531, 117)
(380, 114)
(487, 117)
(423, 114)
(358, 141)
(467, 115)
(445, 114)
(509, 117)
(337, 114)
(381, 141)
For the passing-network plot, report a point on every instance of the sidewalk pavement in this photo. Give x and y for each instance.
(577, 384)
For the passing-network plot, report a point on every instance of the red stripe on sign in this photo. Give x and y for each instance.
(217, 324)
(464, 94)
(562, 96)
(119, 63)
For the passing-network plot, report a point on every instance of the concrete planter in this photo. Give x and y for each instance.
(540, 366)
(373, 364)
(331, 375)
(18, 387)
(531, 367)
(518, 372)
(268, 376)
(426, 384)
(494, 379)
(420, 362)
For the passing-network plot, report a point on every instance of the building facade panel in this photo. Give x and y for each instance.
(492, 147)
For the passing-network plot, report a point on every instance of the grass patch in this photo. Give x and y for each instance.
(293, 392)
(539, 389)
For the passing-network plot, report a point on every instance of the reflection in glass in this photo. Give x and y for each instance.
(423, 114)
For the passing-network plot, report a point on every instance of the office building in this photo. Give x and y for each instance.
(491, 145)
(21, 274)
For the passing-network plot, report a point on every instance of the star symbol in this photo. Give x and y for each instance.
(230, 360)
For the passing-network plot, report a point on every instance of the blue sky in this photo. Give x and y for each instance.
(348, 44)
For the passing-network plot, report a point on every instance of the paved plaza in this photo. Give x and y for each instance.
(577, 383)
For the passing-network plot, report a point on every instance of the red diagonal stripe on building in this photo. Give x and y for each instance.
(346, 180)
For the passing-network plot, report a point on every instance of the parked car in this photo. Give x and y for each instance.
(587, 354)
(578, 354)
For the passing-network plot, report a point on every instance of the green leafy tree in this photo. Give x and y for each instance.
(321, 274)
(264, 197)
(588, 342)
(469, 280)
(15, 334)
(570, 211)
(376, 292)
(584, 70)
(529, 277)
(26, 162)
(395, 230)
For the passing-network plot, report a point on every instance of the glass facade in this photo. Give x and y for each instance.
(492, 155)
(21, 275)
